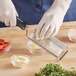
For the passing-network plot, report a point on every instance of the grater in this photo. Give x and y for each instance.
(51, 44)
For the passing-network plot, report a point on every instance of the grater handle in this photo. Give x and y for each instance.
(63, 55)
(21, 23)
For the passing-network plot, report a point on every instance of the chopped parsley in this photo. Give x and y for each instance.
(55, 70)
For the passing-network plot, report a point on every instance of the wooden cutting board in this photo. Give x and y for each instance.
(19, 41)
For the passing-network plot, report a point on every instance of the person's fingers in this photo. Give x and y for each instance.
(13, 20)
(55, 31)
(6, 19)
(17, 14)
(13, 7)
(50, 31)
(44, 30)
(7, 23)
(2, 20)
(38, 30)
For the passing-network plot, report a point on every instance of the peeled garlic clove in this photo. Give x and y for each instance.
(25, 59)
(13, 59)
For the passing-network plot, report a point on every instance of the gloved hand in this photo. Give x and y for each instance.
(52, 19)
(8, 13)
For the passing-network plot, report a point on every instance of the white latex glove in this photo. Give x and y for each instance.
(8, 13)
(52, 19)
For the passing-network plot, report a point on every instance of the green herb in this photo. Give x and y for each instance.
(72, 67)
(55, 70)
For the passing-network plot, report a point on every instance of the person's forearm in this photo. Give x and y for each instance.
(61, 5)
(64, 4)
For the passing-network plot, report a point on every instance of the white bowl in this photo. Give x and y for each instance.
(20, 61)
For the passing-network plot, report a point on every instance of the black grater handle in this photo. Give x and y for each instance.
(21, 23)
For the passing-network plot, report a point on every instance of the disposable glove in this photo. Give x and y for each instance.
(8, 13)
(52, 19)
